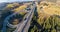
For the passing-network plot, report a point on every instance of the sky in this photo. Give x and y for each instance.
(13, 0)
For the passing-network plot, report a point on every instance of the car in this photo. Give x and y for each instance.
(28, 9)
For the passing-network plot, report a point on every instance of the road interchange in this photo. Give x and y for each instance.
(26, 23)
(20, 28)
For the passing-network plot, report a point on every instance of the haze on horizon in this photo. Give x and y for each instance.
(13, 0)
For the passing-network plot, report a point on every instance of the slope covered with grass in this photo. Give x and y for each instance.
(46, 18)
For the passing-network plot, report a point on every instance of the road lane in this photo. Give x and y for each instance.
(7, 23)
(22, 28)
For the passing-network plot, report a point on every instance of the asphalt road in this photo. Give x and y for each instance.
(26, 22)
(26, 27)
(6, 23)
(20, 26)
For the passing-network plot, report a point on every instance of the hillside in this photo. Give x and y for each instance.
(46, 18)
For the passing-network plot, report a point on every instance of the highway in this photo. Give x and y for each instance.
(10, 25)
(21, 27)
(27, 25)
(26, 22)
(7, 23)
